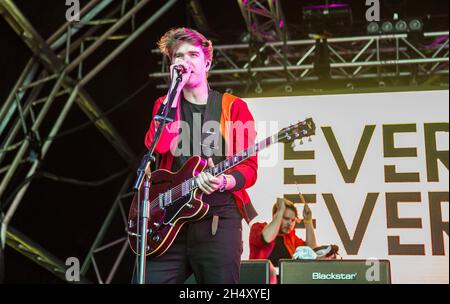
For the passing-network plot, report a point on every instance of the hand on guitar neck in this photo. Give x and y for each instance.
(209, 184)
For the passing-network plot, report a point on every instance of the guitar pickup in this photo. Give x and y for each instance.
(161, 201)
(165, 199)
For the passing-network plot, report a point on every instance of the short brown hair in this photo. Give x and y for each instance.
(170, 41)
(288, 204)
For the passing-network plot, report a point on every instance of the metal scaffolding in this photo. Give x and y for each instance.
(265, 23)
(350, 58)
(57, 65)
(37, 254)
(264, 19)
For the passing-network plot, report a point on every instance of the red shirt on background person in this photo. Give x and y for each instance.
(277, 239)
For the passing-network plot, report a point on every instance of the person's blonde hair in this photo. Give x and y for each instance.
(170, 41)
(288, 204)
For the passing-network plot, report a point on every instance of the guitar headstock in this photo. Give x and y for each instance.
(299, 130)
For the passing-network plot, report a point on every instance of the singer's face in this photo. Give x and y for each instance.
(192, 56)
(288, 221)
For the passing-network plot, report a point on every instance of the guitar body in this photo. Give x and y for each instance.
(165, 223)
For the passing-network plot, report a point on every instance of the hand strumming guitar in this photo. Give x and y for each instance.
(209, 184)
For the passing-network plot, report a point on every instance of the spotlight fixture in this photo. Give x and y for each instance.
(327, 18)
(258, 89)
(387, 27)
(373, 28)
(401, 26)
(395, 26)
(415, 25)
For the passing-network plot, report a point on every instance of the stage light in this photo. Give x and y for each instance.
(373, 28)
(245, 37)
(387, 27)
(395, 26)
(288, 88)
(415, 30)
(258, 89)
(401, 26)
(415, 25)
(331, 18)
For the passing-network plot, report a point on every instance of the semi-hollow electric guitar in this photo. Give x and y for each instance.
(176, 199)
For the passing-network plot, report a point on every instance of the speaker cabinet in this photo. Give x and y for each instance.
(335, 272)
(251, 272)
(254, 272)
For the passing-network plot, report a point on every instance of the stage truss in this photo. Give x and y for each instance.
(57, 66)
(349, 59)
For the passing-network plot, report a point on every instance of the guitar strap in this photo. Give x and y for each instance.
(212, 141)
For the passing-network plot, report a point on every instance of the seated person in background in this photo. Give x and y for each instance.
(277, 239)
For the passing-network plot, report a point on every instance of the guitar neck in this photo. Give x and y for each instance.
(233, 161)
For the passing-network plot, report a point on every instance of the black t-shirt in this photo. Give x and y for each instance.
(221, 203)
(279, 252)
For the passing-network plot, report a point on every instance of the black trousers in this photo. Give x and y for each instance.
(213, 259)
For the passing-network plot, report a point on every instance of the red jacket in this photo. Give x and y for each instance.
(259, 249)
(233, 110)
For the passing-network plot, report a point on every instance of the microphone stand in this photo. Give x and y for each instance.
(143, 180)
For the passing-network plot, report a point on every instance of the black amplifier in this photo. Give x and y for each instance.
(335, 272)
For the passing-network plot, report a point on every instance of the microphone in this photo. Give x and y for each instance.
(180, 69)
